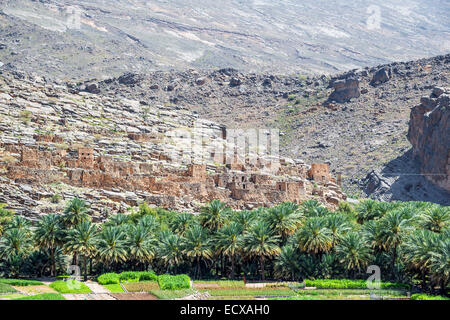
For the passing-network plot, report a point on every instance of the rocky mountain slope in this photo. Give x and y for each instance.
(96, 38)
(56, 143)
(362, 132)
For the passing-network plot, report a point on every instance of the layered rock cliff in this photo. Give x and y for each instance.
(429, 134)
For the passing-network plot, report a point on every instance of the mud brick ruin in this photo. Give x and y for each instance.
(239, 185)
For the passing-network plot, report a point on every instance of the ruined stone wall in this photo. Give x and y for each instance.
(239, 186)
(319, 172)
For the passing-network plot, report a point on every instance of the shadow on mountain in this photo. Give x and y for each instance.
(401, 180)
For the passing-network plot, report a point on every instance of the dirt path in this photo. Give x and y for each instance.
(31, 290)
(96, 288)
(88, 296)
(134, 296)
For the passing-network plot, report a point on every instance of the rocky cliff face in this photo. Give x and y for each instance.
(428, 133)
(421, 173)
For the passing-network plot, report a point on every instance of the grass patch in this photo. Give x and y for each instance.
(126, 276)
(350, 284)
(350, 292)
(6, 288)
(73, 286)
(141, 286)
(114, 288)
(178, 282)
(422, 296)
(21, 283)
(199, 284)
(296, 298)
(257, 292)
(108, 278)
(232, 298)
(12, 296)
(44, 296)
(171, 294)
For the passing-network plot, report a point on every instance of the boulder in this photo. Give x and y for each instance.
(200, 81)
(92, 88)
(235, 82)
(130, 79)
(171, 87)
(345, 90)
(381, 76)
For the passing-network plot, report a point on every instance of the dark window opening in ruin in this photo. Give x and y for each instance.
(243, 186)
(243, 179)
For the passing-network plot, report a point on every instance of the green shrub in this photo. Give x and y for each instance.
(168, 282)
(129, 276)
(148, 276)
(6, 288)
(44, 296)
(350, 284)
(75, 287)
(20, 282)
(108, 278)
(171, 294)
(422, 296)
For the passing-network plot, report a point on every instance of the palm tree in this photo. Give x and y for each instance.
(182, 223)
(436, 218)
(308, 206)
(148, 223)
(339, 225)
(15, 243)
(117, 220)
(314, 237)
(82, 239)
(417, 252)
(286, 264)
(245, 218)
(197, 246)
(260, 242)
(75, 212)
(112, 245)
(372, 232)
(49, 236)
(353, 251)
(283, 219)
(228, 241)
(171, 249)
(141, 244)
(369, 210)
(19, 223)
(214, 215)
(5, 217)
(394, 226)
(440, 262)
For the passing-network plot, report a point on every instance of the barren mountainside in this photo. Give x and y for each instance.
(82, 39)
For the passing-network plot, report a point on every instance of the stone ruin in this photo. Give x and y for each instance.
(240, 185)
